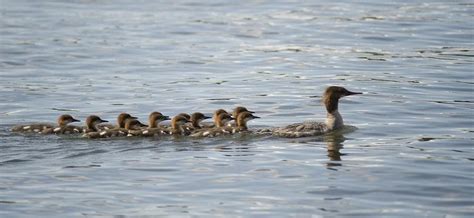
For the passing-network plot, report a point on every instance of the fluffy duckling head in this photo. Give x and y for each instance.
(93, 120)
(238, 110)
(222, 119)
(65, 119)
(122, 118)
(178, 121)
(155, 118)
(133, 124)
(196, 118)
(243, 118)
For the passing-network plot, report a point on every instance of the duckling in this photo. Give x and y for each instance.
(185, 115)
(196, 119)
(121, 118)
(236, 112)
(219, 112)
(91, 130)
(63, 128)
(62, 121)
(153, 120)
(220, 122)
(117, 132)
(333, 122)
(241, 122)
(214, 116)
(177, 126)
(134, 127)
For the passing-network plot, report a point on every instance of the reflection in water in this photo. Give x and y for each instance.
(334, 145)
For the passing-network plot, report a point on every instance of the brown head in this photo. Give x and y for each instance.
(133, 124)
(66, 119)
(243, 118)
(218, 112)
(196, 118)
(333, 94)
(92, 121)
(178, 121)
(238, 110)
(122, 118)
(187, 116)
(155, 118)
(222, 119)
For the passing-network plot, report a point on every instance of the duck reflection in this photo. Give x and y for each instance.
(334, 145)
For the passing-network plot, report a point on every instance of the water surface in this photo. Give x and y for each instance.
(411, 154)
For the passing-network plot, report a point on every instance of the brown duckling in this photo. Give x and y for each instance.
(178, 126)
(121, 118)
(153, 121)
(63, 127)
(116, 132)
(62, 121)
(238, 110)
(220, 122)
(235, 114)
(196, 119)
(91, 130)
(134, 127)
(214, 116)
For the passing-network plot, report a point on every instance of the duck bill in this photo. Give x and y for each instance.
(74, 120)
(255, 117)
(103, 121)
(166, 118)
(353, 93)
(206, 117)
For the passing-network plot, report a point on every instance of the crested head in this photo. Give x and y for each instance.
(239, 110)
(244, 117)
(66, 119)
(132, 124)
(122, 118)
(333, 94)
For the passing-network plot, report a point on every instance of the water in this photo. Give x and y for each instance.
(412, 154)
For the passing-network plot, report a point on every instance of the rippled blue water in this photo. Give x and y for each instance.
(412, 154)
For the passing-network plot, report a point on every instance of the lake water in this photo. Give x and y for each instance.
(411, 154)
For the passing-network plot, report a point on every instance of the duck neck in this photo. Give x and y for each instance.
(195, 123)
(92, 127)
(219, 123)
(62, 123)
(121, 123)
(333, 119)
(241, 124)
(152, 123)
(175, 126)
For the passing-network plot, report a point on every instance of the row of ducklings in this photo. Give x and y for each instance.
(128, 125)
